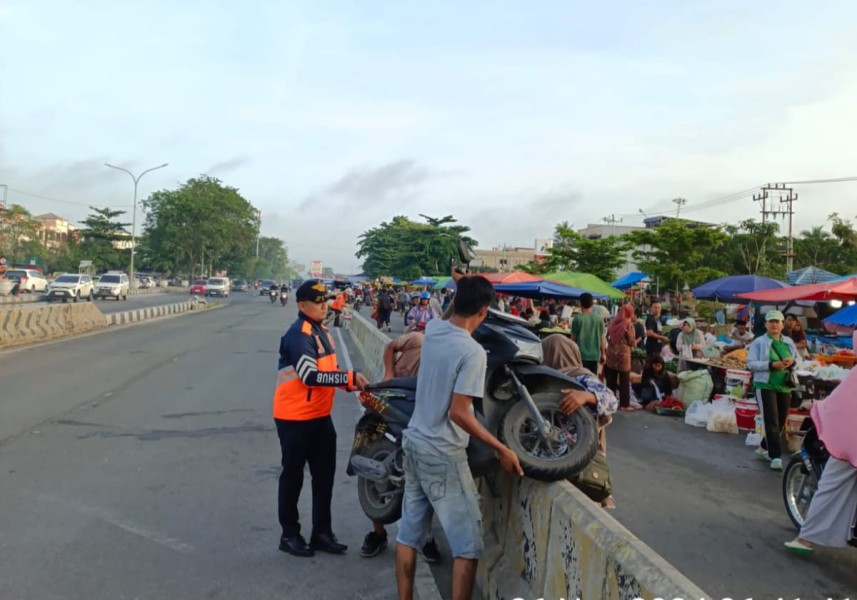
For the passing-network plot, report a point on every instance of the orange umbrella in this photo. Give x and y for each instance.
(513, 277)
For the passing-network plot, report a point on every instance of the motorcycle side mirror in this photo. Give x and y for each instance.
(465, 254)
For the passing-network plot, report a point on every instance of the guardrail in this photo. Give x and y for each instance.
(549, 540)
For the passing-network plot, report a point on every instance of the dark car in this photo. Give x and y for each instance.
(265, 286)
(240, 286)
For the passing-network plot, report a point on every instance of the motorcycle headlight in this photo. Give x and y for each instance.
(530, 349)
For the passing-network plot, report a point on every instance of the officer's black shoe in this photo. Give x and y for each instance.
(296, 546)
(327, 542)
(373, 544)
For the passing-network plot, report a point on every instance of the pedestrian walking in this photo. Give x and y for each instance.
(587, 331)
(617, 367)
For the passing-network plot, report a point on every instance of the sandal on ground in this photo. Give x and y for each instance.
(608, 503)
(627, 408)
(798, 548)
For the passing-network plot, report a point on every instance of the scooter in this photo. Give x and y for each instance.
(272, 295)
(284, 297)
(801, 477)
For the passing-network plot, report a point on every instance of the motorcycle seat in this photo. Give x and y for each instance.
(403, 383)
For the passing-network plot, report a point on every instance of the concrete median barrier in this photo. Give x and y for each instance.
(548, 540)
(154, 312)
(18, 327)
(157, 290)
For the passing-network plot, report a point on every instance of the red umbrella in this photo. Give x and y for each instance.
(818, 292)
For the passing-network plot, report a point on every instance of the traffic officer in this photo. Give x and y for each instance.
(307, 380)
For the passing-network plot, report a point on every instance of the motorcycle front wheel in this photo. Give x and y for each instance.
(571, 445)
(381, 501)
(799, 486)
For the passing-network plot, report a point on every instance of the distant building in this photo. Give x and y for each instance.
(605, 230)
(55, 231)
(504, 258)
(653, 222)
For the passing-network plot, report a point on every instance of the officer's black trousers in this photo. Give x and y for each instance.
(303, 442)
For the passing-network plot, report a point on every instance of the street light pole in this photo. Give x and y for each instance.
(134, 212)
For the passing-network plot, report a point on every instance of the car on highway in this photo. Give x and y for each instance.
(240, 286)
(113, 284)
(265, 286)
(217, 286)
(71, 286)
(198, 287)
(29, 280)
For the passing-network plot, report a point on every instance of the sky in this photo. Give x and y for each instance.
(332, 116)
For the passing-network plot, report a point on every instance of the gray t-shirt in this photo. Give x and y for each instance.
(451, 362)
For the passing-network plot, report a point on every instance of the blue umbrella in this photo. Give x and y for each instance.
(629, 280)
(543, 289)
(449, 284)
(423, 281)
(811, 275)
(726, 289)
(847, 317)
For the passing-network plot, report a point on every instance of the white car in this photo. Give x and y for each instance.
(71, 286)
(113, 284)
(29, 280)
(217, 286)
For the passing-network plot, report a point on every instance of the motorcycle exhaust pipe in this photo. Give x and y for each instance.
(369, 468)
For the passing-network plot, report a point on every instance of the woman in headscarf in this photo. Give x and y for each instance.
(617, 369)
(562, 354)
(689, 343)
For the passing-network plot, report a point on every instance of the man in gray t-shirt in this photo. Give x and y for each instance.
(451, 374)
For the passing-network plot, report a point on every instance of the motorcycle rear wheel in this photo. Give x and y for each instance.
(566, 454)
(375, 498)
(799, 486)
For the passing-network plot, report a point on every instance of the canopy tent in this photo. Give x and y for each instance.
(811, 275)
(732, 289)
(446, 284)
(355, 279)
(513, 277)
(424, 281)
(591, 283)
(629, 280)
(844, 277)
(817, 292)
(542, 289)
(847, 317)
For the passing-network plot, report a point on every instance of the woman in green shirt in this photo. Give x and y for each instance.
(770, 357)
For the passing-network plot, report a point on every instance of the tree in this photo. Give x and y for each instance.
(200, 226)
(17, 228)
(573, 252)
(752, 248)
(99, 239)
(406, 249)
(817, 248)
(272, 262)
(676, 253)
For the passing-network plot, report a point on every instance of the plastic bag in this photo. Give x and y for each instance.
(711, 350)
(722, 417)
(693, 386)
(697, 414)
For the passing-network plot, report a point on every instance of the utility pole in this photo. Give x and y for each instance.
(5, 195)
(612, 220)
(679, 202)
(787, 197)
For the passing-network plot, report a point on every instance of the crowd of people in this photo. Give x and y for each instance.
(584, 341)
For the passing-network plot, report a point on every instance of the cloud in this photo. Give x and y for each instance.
(226, 166)
(395, 181)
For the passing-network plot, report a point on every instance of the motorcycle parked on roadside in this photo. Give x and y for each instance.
(801, 477)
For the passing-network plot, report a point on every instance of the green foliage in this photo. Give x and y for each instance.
(18, 231)
(676, 253)
(406, 249)
(272, 263)
(573, 252)
(834, 251)
(199, 227)
(752, 248)
(97, 238)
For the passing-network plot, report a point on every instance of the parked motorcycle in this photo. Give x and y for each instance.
(801, 477)
(284, 297)
(520, 406)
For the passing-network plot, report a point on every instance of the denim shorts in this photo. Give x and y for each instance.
(445, 485)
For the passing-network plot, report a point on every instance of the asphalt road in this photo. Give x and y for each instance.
(704, 503)
(146, 467)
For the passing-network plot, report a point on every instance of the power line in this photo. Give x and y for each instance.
(61, 201)
(836, 180)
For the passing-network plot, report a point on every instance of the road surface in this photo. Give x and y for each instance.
(146, 467)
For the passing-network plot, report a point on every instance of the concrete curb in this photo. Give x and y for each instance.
(19, 327)
(158, 290)
(549, 540)
(155, 312)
